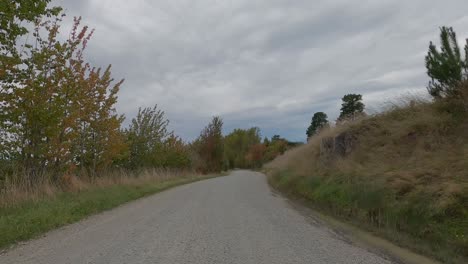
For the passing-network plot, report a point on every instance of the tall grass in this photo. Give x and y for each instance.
(27, 212)
(16, 191)
(406, 177)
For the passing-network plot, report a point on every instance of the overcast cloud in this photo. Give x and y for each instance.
(265, 63)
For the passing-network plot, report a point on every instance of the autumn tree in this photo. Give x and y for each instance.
(209, 146)
(277, 146)
(100, 139)
(351, 107)
(237, 146)
(57, 110)
(256, 155)
(446, 67)
(319, 120)
(16, 16)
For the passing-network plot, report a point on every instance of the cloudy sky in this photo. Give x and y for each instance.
(265, 63)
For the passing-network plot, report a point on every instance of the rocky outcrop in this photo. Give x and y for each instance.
(337, 147)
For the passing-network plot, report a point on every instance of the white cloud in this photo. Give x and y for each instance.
(270, 63)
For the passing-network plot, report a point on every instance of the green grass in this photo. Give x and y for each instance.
(31, 219)
(415, 224)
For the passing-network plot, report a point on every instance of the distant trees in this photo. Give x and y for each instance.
(351, 107)
(276, 146)
(446, 67)
(209, 147)
(58, 116)
(239, 144)
(319, 120)
(244, 148)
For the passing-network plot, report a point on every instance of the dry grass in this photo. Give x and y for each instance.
(17, 192)
(26, 213)
(412, 144)
(410, 164)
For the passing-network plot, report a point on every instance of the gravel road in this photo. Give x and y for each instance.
(232, 219)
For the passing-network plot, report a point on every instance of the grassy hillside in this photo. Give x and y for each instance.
(402, 173)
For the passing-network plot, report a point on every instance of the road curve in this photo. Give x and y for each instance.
(233, 219)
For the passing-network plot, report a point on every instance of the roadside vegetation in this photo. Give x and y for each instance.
(64, 151)
(401, 173)
(26, 215)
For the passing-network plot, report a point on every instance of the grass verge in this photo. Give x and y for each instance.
(410, 225)
(29, 219)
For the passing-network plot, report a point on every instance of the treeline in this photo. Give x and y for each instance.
(352, 108)
(242, 148)
(58, 116)
(448, 72)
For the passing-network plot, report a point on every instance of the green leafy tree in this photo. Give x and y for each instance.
(176, 154)
(319, 120)
(351, 107)
(15, 17)
(237, 146)
(152, 145)
(146, 136)
(276, 147)
(446, 67)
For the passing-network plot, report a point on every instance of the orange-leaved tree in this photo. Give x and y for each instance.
(59, 111)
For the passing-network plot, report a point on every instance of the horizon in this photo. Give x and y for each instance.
(262, 64)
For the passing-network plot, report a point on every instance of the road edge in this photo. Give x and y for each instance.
(353, 234)
(170, 185)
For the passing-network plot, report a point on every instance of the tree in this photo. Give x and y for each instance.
(351, 107)
(256, 155)
(238, 144)
(175, 153)
(152, 145)
(210, 147)
(146, 136)
(57, 110)
(15, 15)
(446, 67)
(100, 133)
(319, 120)
(275, 138)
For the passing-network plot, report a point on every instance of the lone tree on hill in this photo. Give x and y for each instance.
(446, 67)
(319, 120)
(351, 107)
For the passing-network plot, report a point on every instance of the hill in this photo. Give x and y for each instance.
(402, 173)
